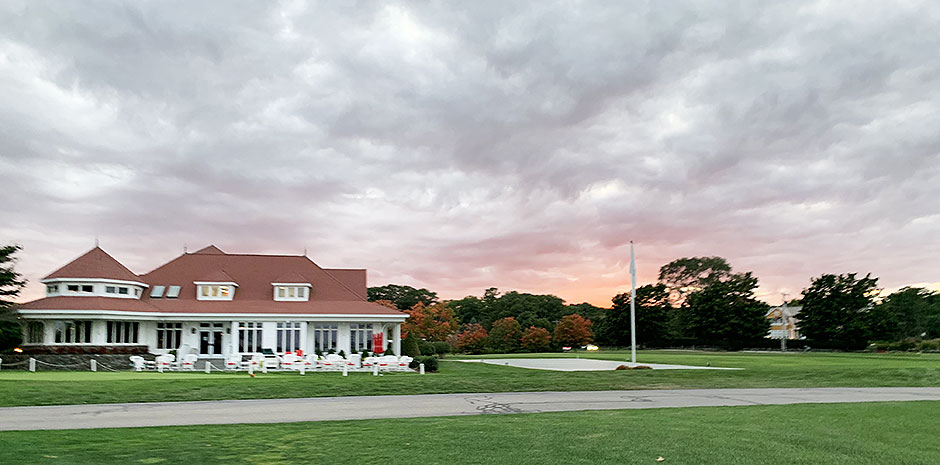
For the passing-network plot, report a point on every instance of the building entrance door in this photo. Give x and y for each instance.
(210, 338)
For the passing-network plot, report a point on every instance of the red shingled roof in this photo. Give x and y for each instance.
(95, 263)
(88, 303)
(68, 303)
(333, 292)
(291, 277)
(217, 276)
(210, 250)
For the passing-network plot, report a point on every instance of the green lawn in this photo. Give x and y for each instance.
(830, 434)
(760, 370)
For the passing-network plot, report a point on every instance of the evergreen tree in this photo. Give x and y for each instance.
(836, 310)
(11, 282)
(725, 312)
(652, 314)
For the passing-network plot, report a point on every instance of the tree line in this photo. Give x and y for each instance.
(696, 301)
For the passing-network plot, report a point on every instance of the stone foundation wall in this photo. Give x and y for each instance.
(68, 362)
(85, 349)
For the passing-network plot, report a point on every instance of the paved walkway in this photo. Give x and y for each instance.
(582, 364)
(428, 405)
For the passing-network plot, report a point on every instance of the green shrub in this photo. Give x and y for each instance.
(441, 348)
(410, 347)
(424, 347)
(429, 361)
(342, 353)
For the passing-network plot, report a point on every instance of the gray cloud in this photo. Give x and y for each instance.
(459, 147)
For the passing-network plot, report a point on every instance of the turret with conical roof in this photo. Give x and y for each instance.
(97, 274)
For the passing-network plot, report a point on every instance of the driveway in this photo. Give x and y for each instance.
(427, 405)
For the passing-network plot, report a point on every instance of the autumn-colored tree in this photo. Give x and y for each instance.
(432, 323)
(536, 339)
(574, 330)
(472, 339)
(505, 334)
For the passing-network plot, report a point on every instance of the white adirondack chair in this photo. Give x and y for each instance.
(272, 363)
(189, 362)
(403, 362)
(139, 363)
(388, 362)
(255, 361)
(354, 361)
(290, 361)
(233, 362)
(165, 361)
(332, 362)
(310, 361)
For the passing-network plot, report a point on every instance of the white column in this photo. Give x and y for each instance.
(235, 337)
(48, 332)
(269, 335)
(303, 338)
(99, 332)
(343, 342)
(396, 332)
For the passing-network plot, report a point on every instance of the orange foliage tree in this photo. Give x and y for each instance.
(472, 339)
(430, 322)
(536, 339)
(574, 330)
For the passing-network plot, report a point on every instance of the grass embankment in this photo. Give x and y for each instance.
(760, 370)
(833, 434)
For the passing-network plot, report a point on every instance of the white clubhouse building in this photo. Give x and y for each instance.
(210, 303)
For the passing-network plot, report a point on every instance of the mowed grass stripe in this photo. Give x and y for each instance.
(832, 434)
(18, 388)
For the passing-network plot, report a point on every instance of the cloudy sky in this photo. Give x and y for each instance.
(463, 145)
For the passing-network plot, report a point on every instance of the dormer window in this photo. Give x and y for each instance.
(52, 288)
(215, 291)
(292, 292)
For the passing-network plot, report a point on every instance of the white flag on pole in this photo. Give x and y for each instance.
(632, 305)
(632, 261)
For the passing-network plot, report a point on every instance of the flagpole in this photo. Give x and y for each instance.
(632, 305)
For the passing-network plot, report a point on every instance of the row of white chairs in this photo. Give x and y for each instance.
(311, 362)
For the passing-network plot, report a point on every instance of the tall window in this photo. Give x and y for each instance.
(169, 335)
(123, 332)
(360, 337)
(74, 332)
(249, 336)
(34, 332)
(324, 336)
(288, 336)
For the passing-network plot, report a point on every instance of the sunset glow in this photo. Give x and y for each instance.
(509, 146)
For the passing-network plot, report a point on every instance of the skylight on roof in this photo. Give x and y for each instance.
(173, 292)
(157, 292)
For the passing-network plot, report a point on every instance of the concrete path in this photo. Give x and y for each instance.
(582, 364)
(428, 405)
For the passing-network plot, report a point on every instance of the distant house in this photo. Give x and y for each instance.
(784, 322)
(211, 303)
